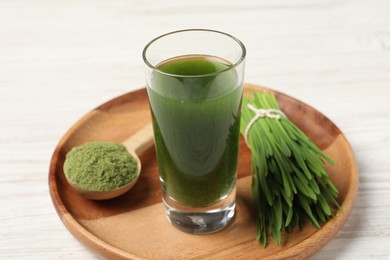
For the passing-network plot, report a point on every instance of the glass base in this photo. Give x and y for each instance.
(201, 220)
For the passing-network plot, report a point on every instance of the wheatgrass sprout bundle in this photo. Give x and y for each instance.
(289, 182)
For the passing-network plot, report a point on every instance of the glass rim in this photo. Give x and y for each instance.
(236, 64)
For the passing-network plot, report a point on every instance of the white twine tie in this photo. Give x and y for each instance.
(260, 113)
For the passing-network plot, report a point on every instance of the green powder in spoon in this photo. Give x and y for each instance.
(100, 166)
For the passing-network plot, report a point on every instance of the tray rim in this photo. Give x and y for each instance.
(102, 248)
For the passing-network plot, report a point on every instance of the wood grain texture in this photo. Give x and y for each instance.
(60, 59)
(127, 227)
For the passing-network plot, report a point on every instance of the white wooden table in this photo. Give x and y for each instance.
(60, 59)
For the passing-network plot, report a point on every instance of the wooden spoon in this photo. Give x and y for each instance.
(135, 145)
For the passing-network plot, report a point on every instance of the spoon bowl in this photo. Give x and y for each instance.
(135, 145)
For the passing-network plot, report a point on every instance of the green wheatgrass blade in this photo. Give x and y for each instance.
(289, 216)
(274, 170)
(288, 199)
(301, 176)
(272, 165)
(306, 207)
(265, 188)
(324, 205)
(286, 183)
(274, 230)
(285, 169)
(304, 139)
(289, 182)
(293, 136)
(297, 218)
(262, 224)
(331, 186)
(284, 138)
(314, 186)
(255, 189)
(301, 162)
(329, 197)
(305, 190)
(278, 213)
(315, 165)
(320, 213)
(274, 187)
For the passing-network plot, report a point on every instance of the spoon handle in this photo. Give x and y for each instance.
(141, 140)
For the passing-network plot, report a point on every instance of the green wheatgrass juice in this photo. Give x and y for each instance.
(195, 103)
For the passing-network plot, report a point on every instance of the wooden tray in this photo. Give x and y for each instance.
(134, 225)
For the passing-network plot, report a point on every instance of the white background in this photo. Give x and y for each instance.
(60, 59)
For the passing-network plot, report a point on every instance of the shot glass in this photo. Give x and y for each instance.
(195, 83)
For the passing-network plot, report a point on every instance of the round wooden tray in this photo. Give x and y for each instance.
(134, 226)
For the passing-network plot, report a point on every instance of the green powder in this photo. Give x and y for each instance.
(100, 166)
